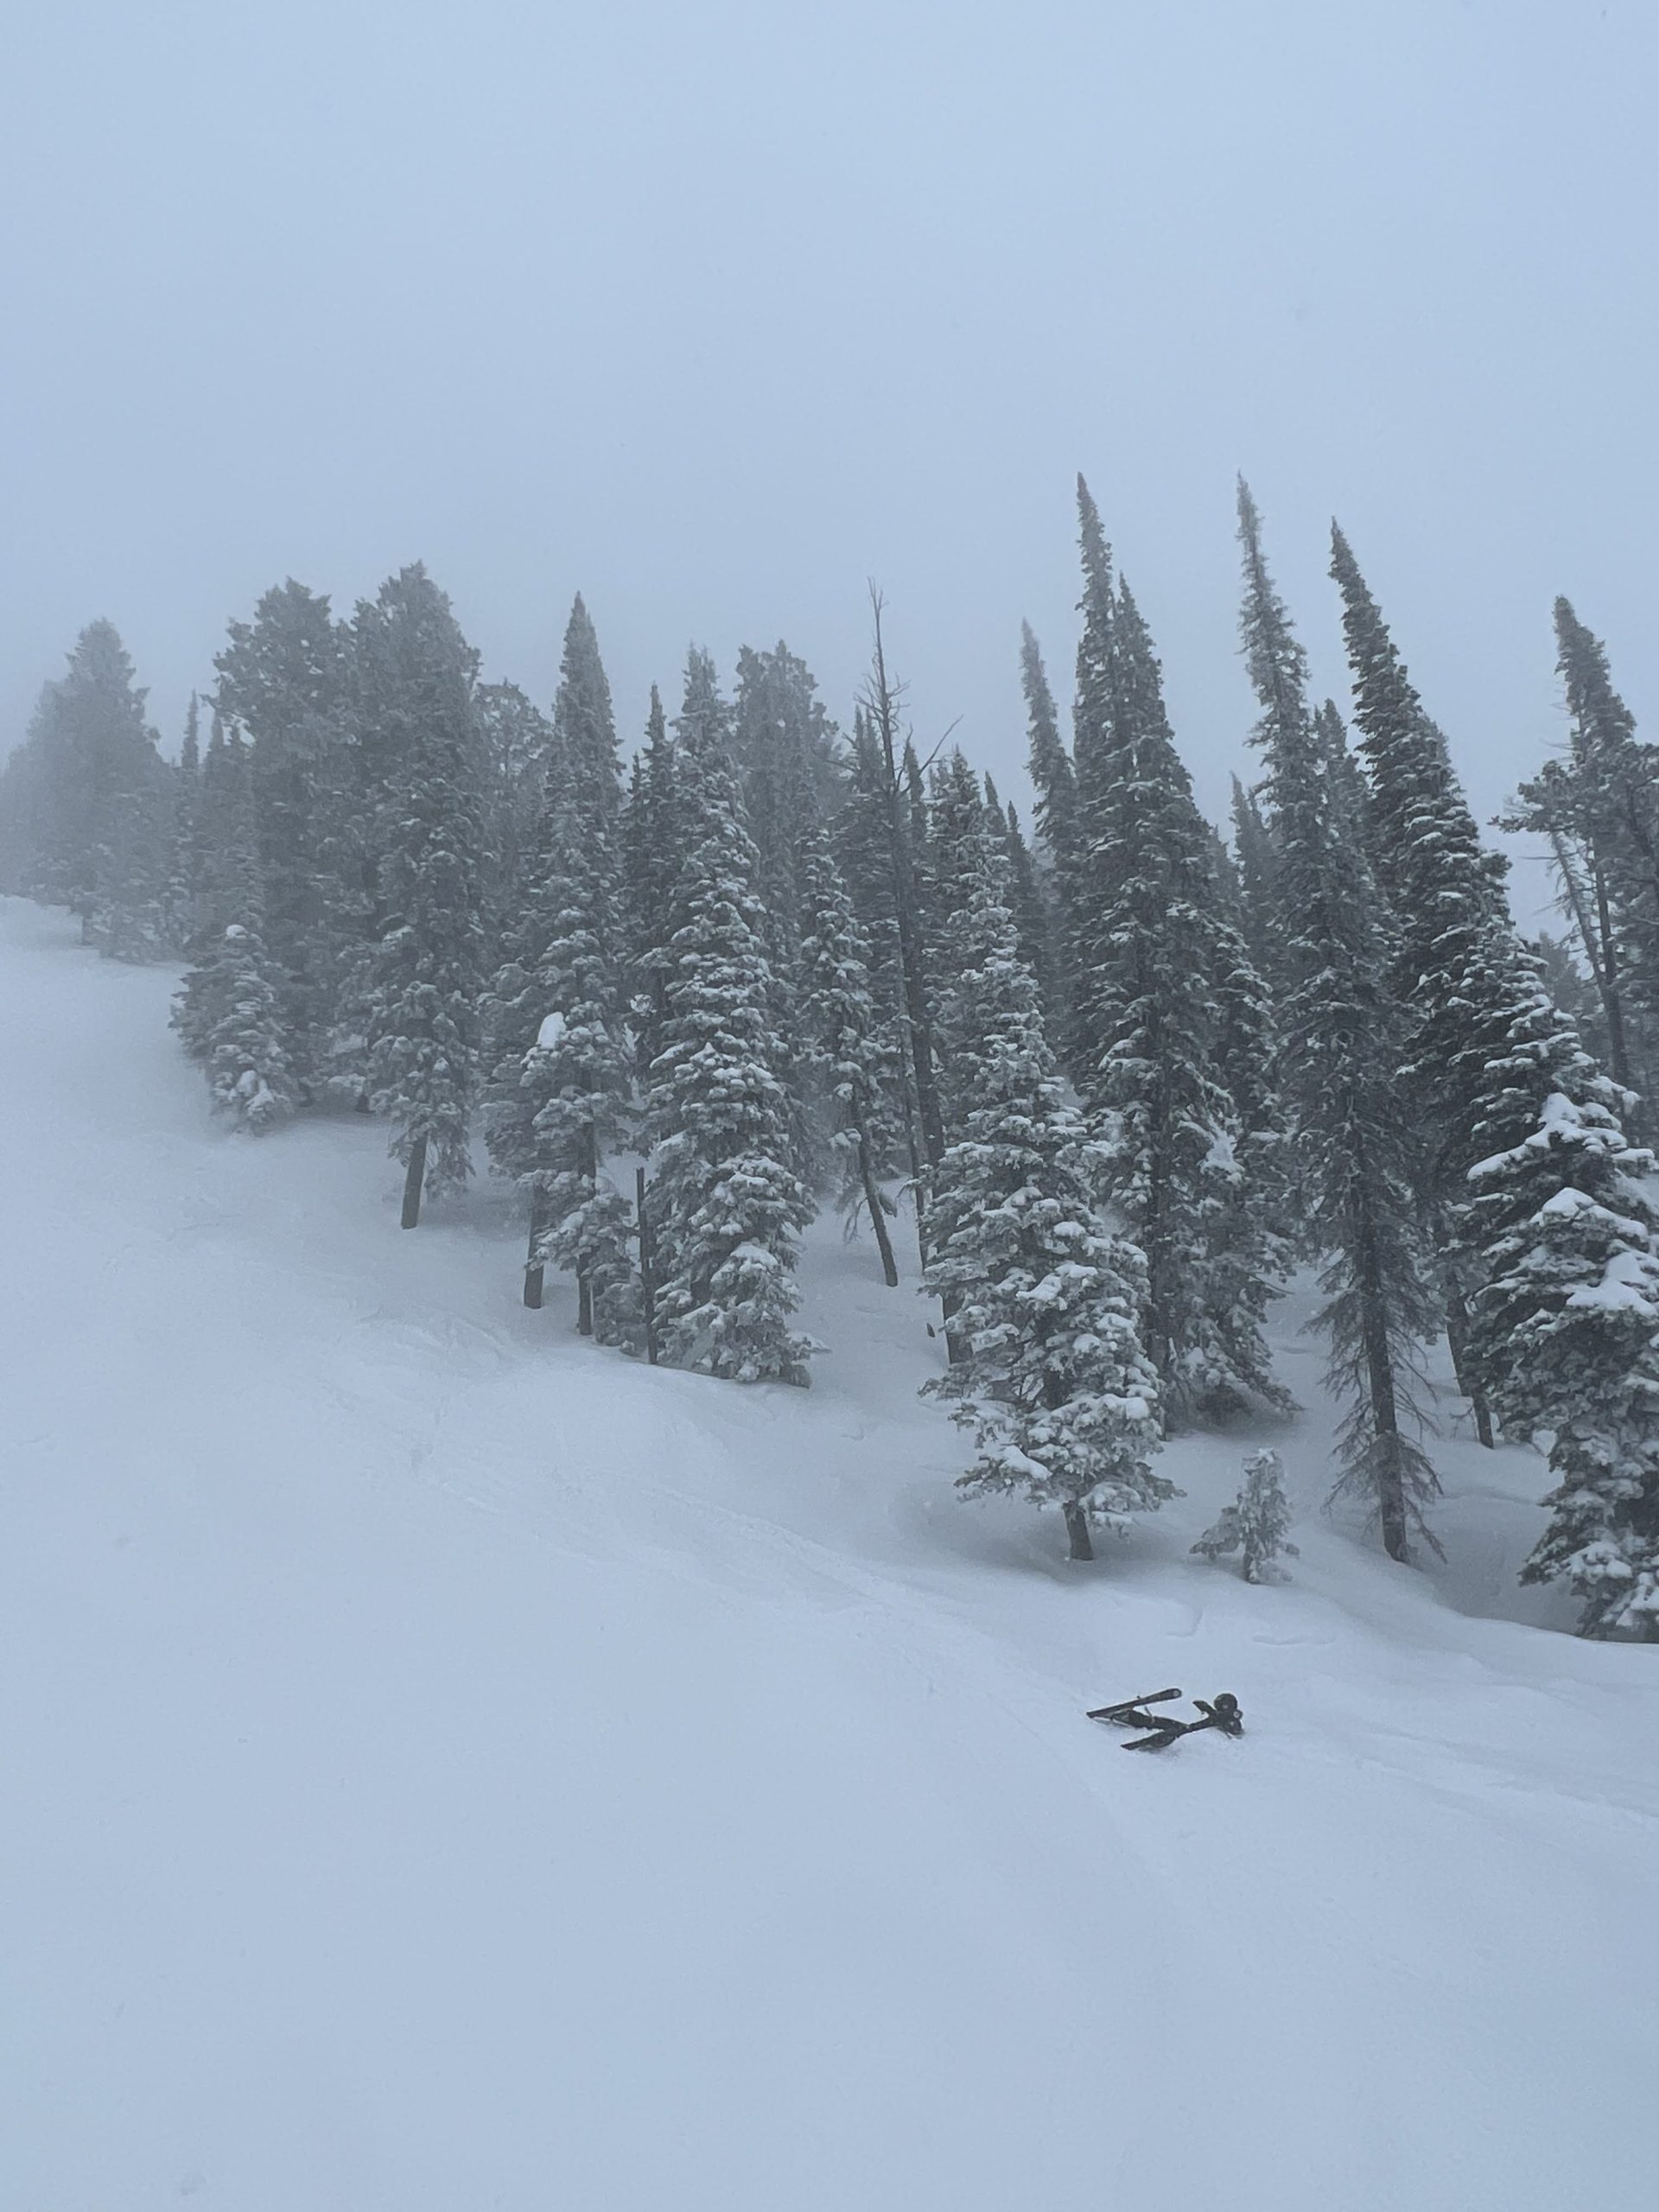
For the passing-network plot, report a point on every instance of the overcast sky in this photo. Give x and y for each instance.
(714, 310)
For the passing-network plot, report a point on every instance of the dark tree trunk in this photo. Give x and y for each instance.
(1613, 996)
(647, 1267)
(902, 868)
(1385, 1413)
(534, 1271)
(412, 1183)
(1457, 1337)
(907, 1100)
(584, 1287)
(1596, 937)
(1080, 1544)
(878, 1213)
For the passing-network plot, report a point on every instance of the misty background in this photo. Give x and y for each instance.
(713, 311)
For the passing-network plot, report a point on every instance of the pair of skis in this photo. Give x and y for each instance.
(1223, 1712)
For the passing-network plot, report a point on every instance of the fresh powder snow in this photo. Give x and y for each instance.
(448, 1767)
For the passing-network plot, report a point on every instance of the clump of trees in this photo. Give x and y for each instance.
(1123, 1075)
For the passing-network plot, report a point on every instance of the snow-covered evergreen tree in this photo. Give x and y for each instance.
(863, 854)
(1051, 773)
(1568, 1326)
(952, 858)
(884, 847)
(653, 842)
(725, 1207)
(184, 858)
(1572, 994)
(92, 802)
(578, 1070)
(1340, 1032)
(226, 1011)
(284, 683)
(1257, 1524)
(785, 751)
(1033, 912)
(846, 1058)
(1051, 1375)
(1057, 823)
(1254, 864)
(1155, 947)
(787, 754)
(517, 740)
(560, 1086)
(416, 673)
(1497, 1075)
(1598, 806)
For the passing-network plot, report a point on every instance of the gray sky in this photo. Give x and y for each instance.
(715, 310)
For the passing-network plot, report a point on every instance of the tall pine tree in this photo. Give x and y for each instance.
(1340, 1035)
(1598, 806)
(1155, 949)
(284, 683)
(416, 673)
(846, 1057)
(724, 1208)
(226, 1011)
(560, 1086)
(1051, 1378)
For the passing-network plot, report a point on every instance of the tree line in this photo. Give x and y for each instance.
(1131, 1073)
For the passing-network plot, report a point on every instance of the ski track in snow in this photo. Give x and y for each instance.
(448, 1766)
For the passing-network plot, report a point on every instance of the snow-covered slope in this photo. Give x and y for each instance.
(447, 1767)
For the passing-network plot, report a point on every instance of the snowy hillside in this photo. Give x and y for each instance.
(448, 1767)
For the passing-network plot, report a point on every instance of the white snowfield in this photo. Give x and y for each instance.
(448, 1767)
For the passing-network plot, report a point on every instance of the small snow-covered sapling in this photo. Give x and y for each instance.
(1256, 1522)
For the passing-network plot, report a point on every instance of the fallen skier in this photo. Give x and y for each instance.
(1223, 1712)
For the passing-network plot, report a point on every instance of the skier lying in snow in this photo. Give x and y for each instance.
(1223, 1713)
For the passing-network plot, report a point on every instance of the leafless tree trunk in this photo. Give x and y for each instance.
(1080, 1543)
(413, 1182)
(534, 1271)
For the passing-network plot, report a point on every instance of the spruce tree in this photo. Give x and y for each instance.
(578, 1072)
(863, 854)
(787, 754)
(1572, 994)
(184, 858)
(1257, 1524)
(725, 1207)
(560, 1087)
(1567, 1325)
(284, 683)
(416, 673)
(846, 1059)
(100, 800)
(516, 741)
(1033, 914)
(1494, 1072)
(223, 881)
(1056, 819)
(1051, 773)
(226, 1011)
(1253, 865)
(1598, 806)
(886, 781)
(1051, 1376)
(652, 841)
(952, 849)
(1542, 1200)
(1340, 1031)
(1155, 949)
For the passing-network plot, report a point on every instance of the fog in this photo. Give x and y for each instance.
(716, 311)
